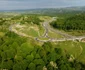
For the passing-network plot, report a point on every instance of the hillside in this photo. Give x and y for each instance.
(28, 42)
(71, 23)
(50, 11)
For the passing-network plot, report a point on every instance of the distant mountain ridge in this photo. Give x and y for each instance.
(49, 10)
(78, 8)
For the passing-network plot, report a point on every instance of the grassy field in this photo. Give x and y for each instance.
(45, 18)
(76, 49)
(54, 35)
(76, 32)
(30, 30)
(82, 56)
(41, 30)
(33, 33)
(43, 38)
(2, 34)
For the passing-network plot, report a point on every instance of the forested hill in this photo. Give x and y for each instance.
(76, 22)
(50, 11)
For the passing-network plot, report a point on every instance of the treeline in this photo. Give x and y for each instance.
(76, 22)
(27, 19)
(56, 11)
(16, 53)
(4, 24)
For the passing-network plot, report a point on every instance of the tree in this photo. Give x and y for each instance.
(39, 62)
(32, 66)
(25, 49)
(47, 47)
(30, 58)
(20, 65)
(7, 64)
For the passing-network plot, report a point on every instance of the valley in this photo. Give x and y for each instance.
(39, 42)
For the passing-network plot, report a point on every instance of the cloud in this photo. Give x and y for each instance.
(27, 4)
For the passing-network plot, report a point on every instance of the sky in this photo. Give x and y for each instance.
(32, 4)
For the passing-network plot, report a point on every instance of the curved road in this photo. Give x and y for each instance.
(47, 27)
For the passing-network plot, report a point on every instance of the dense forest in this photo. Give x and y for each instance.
(16, 53)
(76, 22)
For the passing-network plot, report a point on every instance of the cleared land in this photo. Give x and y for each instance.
(76, 49)
(32, 30)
